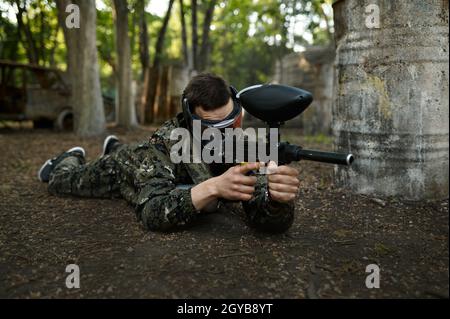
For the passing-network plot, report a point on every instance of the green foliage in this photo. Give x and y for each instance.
(9, 44)
(42, 40)
(247, 36)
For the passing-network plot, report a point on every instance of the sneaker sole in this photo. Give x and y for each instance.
(77, 149)
(42, 168)
(106, 141)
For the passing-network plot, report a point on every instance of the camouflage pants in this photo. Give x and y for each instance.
(102, 178)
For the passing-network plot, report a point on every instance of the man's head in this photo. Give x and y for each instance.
(209, 97)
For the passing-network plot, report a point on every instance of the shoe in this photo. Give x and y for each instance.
(110, 143)
(46, 169)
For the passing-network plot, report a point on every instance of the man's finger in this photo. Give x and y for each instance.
(242, 196)
(284, 188)
(284, 179)
(244, 189)
(286, 170)
(271, 168)
(247, 167)
(247, 180)
(282, 197)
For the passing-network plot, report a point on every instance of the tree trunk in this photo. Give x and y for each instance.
(29, 43)
(53, 48)
(69, 37)
(154, 72)
(205, 48)
(125, 110)
(42, 27)
(151, 83)
(194, 34)
(164, 94)
(144, 53)
(87, 102)
(184, 36)
(162, 35)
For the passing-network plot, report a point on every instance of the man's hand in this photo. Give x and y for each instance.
(235, 185)
(232, 185)
(283, 182)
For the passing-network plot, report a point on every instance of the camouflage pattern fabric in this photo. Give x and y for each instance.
(144, 175)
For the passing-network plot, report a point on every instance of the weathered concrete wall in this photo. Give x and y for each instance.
(391, 97)
(311, 70)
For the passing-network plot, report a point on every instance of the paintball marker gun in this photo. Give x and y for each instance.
(276, 104)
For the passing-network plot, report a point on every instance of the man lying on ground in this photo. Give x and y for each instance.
(166, 195)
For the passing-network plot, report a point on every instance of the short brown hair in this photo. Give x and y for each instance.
(207, 90)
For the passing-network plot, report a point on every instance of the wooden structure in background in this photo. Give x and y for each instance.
(161, 100)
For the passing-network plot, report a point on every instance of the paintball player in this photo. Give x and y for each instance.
(165, 195)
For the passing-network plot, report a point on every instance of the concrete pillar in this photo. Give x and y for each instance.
(391, 96)
(311, 70)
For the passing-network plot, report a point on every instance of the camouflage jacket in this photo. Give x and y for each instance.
(161, 204)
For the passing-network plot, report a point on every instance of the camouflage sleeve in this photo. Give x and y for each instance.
(265, 214)
(160, 204)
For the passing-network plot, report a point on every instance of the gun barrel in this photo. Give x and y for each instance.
(325, 157)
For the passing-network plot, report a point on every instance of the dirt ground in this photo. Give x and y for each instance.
(324, 255)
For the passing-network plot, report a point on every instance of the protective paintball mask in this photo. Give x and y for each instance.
(232, 120)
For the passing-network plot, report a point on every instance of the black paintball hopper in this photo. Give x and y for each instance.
(273, 103)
